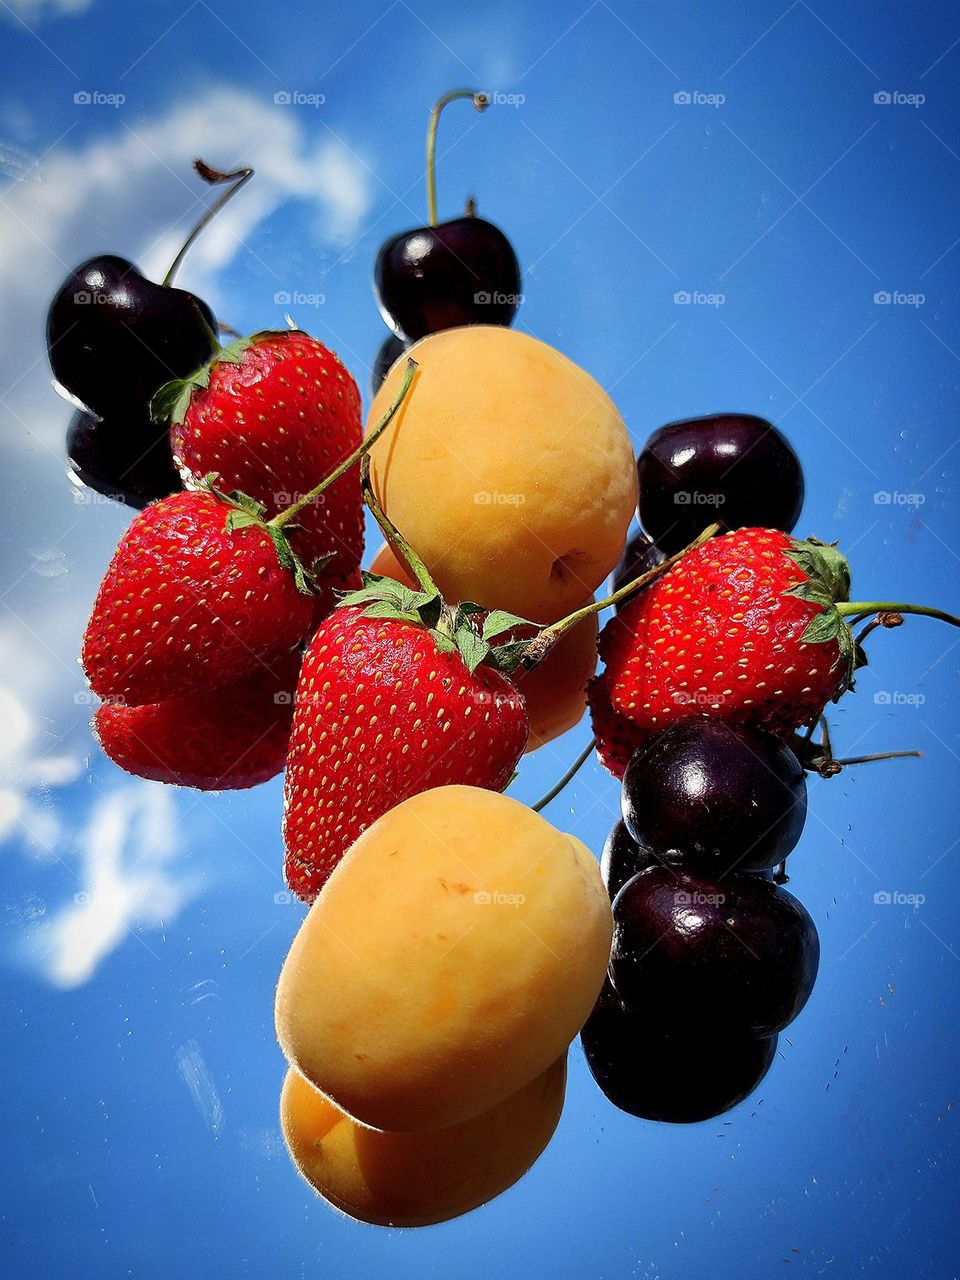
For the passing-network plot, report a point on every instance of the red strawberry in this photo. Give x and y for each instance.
(224, 739)
(617, 738)
(744, 627)
(188, 604)
(271, 416)
(387, 709)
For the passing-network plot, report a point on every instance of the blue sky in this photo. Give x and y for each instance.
(793, 171)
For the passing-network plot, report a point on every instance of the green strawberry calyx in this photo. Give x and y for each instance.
(453, 630)
(827, 583)
(171, 402)
(246, 513)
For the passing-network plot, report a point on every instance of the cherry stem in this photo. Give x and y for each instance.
(555, 790)
(883, 755)
(480, 102)
(393, 534)
(543, 642)
(353, 458)
(846, 608)
(239, 178)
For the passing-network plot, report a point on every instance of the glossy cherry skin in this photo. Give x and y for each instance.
(114, 337)
(680, 1077)
(456, 273)
(715, 797)
(729, 467)
(391, 349)
(740, 953)
(639, 555)
(127, 460)
(622, 858)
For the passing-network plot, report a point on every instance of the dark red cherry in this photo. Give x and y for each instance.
(680, 1076)
(715, 797)
(731, 467)
(114, 337)
(127, 459)
(639, 555)
(390, 351)
(446, 274)
(622, 858)
(440, 277)
(741, 953)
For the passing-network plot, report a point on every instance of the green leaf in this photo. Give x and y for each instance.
(498, 621)
(825, 567)
(473, 649)
(826, 625)
(443, 641)
(173, 399)
(506, 658)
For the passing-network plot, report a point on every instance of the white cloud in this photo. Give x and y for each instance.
(126, 883)
(33, 11)
(132, 191)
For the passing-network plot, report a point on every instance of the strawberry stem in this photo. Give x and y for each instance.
(239, 178)
(393, 534)
(848, 608)
(480, 102)
(543, 642)
(353, 458)
(571, 772)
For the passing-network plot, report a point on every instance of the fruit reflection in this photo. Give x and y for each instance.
(416, 1179)
(679, 1077)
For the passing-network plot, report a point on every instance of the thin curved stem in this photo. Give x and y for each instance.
(555, 790)
(393, 534)
(239, 178)
(865, 607)
(480, 102)
(352, 459)
(543, 642)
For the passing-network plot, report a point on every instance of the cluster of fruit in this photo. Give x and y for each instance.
(457, 943)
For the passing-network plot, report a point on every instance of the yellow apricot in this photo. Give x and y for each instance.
(508, 469)
(555, 691)
(452, 956)
(415, 1179)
